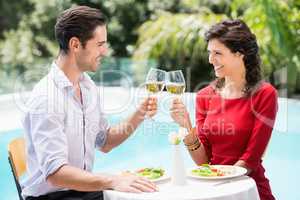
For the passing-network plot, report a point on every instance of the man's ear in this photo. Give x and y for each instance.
(74, 44)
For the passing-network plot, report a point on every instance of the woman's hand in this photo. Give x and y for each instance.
(180, 114)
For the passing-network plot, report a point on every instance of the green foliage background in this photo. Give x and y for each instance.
(163, 33)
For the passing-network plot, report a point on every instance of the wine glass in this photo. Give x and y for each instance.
(175, 82)
(155, 81)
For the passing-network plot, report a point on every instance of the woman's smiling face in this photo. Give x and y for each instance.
(225, 62)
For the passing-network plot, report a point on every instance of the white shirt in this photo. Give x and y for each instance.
(60, 130)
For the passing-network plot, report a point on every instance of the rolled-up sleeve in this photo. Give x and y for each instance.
(102, 134)
(49, 141)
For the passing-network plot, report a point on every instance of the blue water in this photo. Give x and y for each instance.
(149, 147)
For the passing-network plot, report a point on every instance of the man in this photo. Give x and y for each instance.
(64, 123)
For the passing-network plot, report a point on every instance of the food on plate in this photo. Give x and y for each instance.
(150, 173)
(209, 171)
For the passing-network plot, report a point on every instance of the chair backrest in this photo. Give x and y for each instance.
(17, 160)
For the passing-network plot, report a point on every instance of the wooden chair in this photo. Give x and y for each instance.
(17, 161)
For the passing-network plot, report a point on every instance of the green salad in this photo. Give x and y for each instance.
(207, 170)
(150, 173)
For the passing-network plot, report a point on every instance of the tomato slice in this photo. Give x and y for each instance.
(214, 170)
(141, 170)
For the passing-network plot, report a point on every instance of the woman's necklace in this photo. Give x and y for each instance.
(230, 94)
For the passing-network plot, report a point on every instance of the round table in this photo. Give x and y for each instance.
(232, 189)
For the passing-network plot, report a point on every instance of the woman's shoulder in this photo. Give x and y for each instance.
(208, 90)
(264, 90)
(205, 94)
(265, 87)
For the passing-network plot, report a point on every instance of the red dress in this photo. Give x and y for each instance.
(238, 129)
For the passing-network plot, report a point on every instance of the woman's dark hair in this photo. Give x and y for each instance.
(78, 21)
(237, 37)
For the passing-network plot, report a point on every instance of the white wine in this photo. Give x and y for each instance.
(176, 88)
(154, 87)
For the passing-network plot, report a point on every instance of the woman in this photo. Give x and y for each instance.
(235, 114)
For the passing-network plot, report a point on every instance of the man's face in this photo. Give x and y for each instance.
(89, 57)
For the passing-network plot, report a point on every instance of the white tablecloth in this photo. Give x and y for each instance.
(242, 188)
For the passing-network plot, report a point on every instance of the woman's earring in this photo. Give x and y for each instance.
(239, 54)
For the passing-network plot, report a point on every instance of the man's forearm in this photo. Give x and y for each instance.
(80, 180)
(119, 133)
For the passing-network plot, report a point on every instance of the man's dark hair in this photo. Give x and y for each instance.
(80, 22)
(237, 36)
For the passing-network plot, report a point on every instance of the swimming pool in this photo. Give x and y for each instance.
(149, 147)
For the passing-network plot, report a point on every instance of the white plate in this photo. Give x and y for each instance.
(230, 172)
(164, 177)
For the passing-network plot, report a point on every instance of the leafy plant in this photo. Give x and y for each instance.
(176, 42)
(276, 25)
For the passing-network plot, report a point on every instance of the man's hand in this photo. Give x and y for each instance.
(77, 179)
(180, 114)
(133, 183)
(148, 107)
